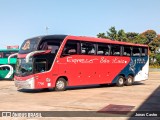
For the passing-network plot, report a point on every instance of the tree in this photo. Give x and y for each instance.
(132, 37)
(112, 34)
(122, 35)
(141, 39)
(158, 58)
(155, 44)
(154, 47)
(149, 35)
(101, 35)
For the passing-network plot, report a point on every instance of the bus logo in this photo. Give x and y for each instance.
(132, 65)
(26, 45)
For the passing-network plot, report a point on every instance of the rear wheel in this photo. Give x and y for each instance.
(120, 81)
(129, 80)
(61, 84)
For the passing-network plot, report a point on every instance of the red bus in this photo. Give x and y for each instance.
(58, 61)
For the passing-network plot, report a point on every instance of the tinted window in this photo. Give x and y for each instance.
(4, 68)
(136, 51)
(88, 48)
(40, 65)
(71, 48)
(50, 44)
(144, 51)
(6, 54)
(1, 54)
(103, 49)
(29, 45)
(126, 51)
(115, 50)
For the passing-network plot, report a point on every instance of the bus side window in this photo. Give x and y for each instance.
(115, 50)
(144, 51)
(40, 65)
(70, 48)
(1, 54)
(136, 51)
(103, 49)
(54, 49)
(88, 48)
(8, 53)
(126, 51)
(5, 68)
(44, 46)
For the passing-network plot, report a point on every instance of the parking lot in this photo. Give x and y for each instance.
(144, 96)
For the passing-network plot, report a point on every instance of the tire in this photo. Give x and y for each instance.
(120, 81)
(60, 85)
(129, 81)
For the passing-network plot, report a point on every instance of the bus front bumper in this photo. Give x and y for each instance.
(25, 84)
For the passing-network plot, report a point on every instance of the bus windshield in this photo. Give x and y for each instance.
(23, 68)
(41, 43)
(29, 45)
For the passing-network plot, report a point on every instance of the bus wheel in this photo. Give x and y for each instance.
(120, 81)
(60, 84)
(129, 80)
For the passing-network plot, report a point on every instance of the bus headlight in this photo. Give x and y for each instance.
(30, 82)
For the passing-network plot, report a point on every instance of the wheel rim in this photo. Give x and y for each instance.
(60, 84)
(121, 81)
(129, 80)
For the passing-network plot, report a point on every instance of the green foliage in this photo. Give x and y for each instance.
(112, 34)
(122, 35)
(133, 37)
(155, 44)
(158, 58)
(101, 35)
(149, 35)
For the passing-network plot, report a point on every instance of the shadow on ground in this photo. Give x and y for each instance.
(74, 88)
(150, 108)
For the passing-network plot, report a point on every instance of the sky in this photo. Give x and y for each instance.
(23, 19)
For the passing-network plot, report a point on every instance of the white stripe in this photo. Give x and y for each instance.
(10, 70)
(144, 73)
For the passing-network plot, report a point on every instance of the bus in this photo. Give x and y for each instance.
(7, 68)
(58, 61)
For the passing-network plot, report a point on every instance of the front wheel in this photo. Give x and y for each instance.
(60, 84)
(129, 81)
(120, 81)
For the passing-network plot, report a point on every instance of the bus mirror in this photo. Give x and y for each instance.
(31, 54)
(12, 55)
